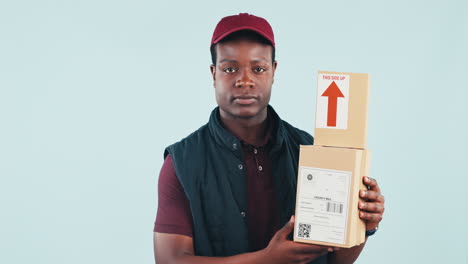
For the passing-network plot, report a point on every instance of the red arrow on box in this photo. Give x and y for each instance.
(333, 92)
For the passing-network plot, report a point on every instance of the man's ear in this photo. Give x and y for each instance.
(275, 64)
(213, 72)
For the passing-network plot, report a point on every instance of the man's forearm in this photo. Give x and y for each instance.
(346, 255)
(247, 258)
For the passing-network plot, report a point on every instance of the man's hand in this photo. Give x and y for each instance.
(282, 250)
(178, 249)
(372, 207)
(371, 210)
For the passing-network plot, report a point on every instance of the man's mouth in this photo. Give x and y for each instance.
(245, 100)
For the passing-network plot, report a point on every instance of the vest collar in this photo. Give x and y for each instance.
(224, 138)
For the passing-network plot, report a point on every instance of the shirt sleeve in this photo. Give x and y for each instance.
(174, 215)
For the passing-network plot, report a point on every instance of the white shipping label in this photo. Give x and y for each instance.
(322, 211)
(332, 101)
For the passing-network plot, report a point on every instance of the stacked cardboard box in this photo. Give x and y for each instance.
(330, 172)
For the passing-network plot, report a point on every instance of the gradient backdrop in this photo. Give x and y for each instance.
(92, 91)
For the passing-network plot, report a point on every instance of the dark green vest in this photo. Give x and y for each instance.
(210, 166)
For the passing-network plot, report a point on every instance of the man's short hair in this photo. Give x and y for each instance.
(248, 34)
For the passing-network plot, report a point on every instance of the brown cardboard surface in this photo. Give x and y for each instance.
(355, 136)
(355, 161)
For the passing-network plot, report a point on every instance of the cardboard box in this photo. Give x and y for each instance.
(341, 116)
(328, 184)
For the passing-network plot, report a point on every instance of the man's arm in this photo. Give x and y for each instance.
(172, 248)
(178, 249)
(371, 211)
(173, 241)
(346, 255)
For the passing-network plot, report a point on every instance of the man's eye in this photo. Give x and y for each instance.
(259, 69)
(229, 70)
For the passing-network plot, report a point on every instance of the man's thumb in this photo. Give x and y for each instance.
(287, 228)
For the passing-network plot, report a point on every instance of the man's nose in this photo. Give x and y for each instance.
(245, 80)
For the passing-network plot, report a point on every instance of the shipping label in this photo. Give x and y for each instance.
(323, 203)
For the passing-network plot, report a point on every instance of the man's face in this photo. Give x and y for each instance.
(243, 77)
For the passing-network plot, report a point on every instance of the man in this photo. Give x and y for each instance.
(227, 191)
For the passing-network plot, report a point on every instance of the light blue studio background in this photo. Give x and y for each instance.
(92, 92)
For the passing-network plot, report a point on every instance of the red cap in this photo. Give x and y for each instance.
(242, 21)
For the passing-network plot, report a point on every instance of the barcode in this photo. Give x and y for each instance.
(304, 230)
(335, 207)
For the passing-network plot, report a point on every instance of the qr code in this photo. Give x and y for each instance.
(304, 230)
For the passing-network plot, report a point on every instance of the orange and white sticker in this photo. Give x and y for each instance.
(332, 101)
